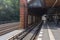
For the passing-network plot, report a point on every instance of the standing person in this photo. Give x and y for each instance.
(44, 19)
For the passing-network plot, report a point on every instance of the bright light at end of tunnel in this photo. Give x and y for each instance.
(28, 1)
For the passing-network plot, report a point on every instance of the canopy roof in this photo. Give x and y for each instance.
(44, 3)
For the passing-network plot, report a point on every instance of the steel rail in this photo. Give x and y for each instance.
(35, 28)
(27, 32)
(36, 32)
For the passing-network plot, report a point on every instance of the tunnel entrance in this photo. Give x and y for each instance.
(36, 7)
(37, 11)
(53, 16)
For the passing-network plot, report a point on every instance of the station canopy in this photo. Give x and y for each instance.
(35, 3)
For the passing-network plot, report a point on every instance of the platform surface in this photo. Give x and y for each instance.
(49, 31)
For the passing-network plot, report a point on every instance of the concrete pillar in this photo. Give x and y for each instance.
(23, 14)
(29, 19)
(36, 19)
(33, 19)
(39, 19)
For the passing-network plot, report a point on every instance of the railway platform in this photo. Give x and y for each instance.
(47, 31)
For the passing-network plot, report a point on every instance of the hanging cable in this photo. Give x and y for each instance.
(54, 3)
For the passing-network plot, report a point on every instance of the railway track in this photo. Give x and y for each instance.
(30, 33)
(5, 28)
